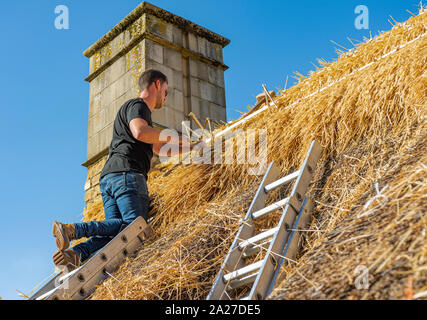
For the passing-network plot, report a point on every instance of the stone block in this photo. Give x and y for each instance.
(98, 121)
(94, 181)
(159, 27)
(177, 82)
(173, 59)
(177, 36)
(122, 85)
(159, 116)
(202, 45)
(130, 94)
(212, 51)
(199, 69)
(195, 106)
(135, 58)
(98, 84)
(215, 76)
(208, 91)
(107, 96)
(94, 88)
(204, 110)
(208, 49)
(193, 67)
(117, 43)
(92, 194)
(165, 69)
(185, 86)
(92, 145)
(218, 52)
(122, 99)
(117, 69)
(134, 30)
(105, 137)
(202, 71)
(176, 101)
(220, 96)
(177, 118)
(96, 168)
(94, 105)
(90, 127)
(109, 115)
(154, 51)
(115, 89)
(195, 87)
(218, 112)
(192, 42)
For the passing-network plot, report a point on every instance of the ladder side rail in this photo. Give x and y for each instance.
(89, 286)
(306, 174)
(46, 288)
(234, 260)
(290, 252)
(277, 245)
(262, 281)
(302, 223)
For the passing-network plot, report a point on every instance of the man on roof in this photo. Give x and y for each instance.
(123, 180)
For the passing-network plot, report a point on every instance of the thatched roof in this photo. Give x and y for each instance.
(368, 111)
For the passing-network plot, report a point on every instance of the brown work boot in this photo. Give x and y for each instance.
(67, 258)
(64, 233)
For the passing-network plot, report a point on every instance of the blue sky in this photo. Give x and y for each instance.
(44, 99)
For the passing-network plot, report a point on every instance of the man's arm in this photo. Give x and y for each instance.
(143, 132)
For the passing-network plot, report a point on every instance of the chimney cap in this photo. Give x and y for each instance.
(146, 7)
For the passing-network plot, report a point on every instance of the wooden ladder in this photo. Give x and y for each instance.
(80, 283)
(283, 239)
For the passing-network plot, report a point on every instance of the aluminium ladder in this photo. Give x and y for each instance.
(234, 272)
(80, 283)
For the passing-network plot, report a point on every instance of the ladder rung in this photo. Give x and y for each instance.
(255, 249)
(275, 206)
(243, 271)
(242, 282)
(257, 238)
(281, 181)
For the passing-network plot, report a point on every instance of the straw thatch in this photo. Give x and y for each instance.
(368, 110)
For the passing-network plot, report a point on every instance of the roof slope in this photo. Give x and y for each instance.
(368, 110)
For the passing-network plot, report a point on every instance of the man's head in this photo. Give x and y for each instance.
(154, 87)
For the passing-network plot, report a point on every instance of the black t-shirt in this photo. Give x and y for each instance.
(127, 153)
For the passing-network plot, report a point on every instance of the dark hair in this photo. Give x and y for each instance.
(150, 76)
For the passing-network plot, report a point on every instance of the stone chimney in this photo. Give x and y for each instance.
(150, 37)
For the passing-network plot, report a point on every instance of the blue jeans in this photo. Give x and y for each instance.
(125, 197)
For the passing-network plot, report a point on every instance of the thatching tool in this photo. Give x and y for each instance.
(268, 95)
(194, 118)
